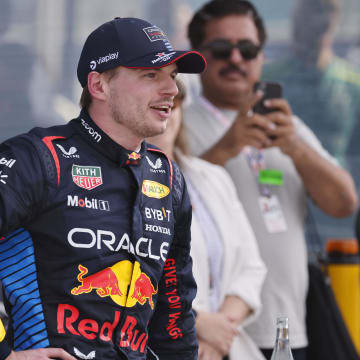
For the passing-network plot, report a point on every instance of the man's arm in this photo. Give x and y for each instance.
(172, 332)
(40, 354)
(37, 354)
(248, 129)
(22, 184)
(208, 351)
(21, 188)
(330, 187)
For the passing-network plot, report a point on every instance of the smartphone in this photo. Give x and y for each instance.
(271, 90)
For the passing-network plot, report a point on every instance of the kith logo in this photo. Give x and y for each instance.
(8, 163)
(68, 154)
(87, 177)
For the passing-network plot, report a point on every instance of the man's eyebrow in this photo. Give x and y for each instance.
(148, 69)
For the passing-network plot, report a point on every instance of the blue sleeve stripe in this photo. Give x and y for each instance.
(19, 277)
(19, 265)
(10, 259)
(34, 334)
(26, 281)
(33, 325)
(25, 314)
(25, 305)
(23, 288)
(36, 342)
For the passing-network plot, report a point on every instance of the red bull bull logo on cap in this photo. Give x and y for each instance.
(123, 282)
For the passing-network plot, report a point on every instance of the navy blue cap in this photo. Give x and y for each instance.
(133, 43)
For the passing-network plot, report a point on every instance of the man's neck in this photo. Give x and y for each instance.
(115, 131)
(224, 104)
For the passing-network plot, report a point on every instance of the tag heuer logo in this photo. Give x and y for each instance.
(87, 177)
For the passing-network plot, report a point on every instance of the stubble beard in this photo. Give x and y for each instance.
(137, 123)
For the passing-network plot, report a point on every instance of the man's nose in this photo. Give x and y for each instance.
(235, 56)
(170, 87)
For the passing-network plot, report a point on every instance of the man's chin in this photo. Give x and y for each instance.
(154, 131)
(236, 89)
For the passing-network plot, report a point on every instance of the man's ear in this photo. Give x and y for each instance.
(96, 85)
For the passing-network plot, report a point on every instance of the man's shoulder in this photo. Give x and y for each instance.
(158, 161)
(194, 107)
(65, 130)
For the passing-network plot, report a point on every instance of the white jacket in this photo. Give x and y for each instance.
(243, 269)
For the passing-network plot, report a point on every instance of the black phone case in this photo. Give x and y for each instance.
(271, 90)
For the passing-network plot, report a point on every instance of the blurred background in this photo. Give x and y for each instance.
(41, 40)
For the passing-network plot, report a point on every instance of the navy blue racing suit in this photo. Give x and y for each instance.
(94, 255)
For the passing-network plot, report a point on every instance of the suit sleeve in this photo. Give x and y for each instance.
(172, 328)
(22, 184)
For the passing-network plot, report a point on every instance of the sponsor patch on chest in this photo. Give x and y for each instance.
(87, 177)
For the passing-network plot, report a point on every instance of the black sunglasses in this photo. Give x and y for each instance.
(221, 49)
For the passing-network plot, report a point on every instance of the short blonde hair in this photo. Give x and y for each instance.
(181, 140)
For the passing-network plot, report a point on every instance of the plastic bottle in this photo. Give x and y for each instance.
(344, 272)
(282, 350)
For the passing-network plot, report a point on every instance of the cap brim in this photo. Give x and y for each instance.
(189, 62)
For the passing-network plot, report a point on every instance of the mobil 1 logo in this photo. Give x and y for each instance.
(5, 163)
(88, 203)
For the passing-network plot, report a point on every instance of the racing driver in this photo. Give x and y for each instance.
(95, 222)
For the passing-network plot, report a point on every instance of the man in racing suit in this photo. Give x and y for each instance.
(95, 222)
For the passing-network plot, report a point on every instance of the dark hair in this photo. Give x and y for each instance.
(85, 98)
(216, 9)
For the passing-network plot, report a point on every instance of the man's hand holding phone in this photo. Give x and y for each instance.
(277, 111)
(266, 122)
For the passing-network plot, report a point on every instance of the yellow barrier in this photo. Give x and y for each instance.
(344, 272)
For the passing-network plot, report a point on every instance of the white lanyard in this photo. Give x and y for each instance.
(255, 157)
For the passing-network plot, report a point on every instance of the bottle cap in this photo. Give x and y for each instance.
(342, 245)
(282, 321)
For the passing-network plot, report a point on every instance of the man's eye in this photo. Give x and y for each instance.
(150, 75)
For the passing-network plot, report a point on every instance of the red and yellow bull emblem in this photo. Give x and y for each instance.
(134, 156)
(154, 189)
(124, 282)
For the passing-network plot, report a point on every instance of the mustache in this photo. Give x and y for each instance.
(232, 68)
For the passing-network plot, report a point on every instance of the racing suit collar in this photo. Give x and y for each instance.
(92, 134)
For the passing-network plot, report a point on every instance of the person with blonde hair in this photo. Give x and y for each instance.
(226, 263)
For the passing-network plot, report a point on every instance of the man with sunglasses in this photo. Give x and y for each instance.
(273, 158)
